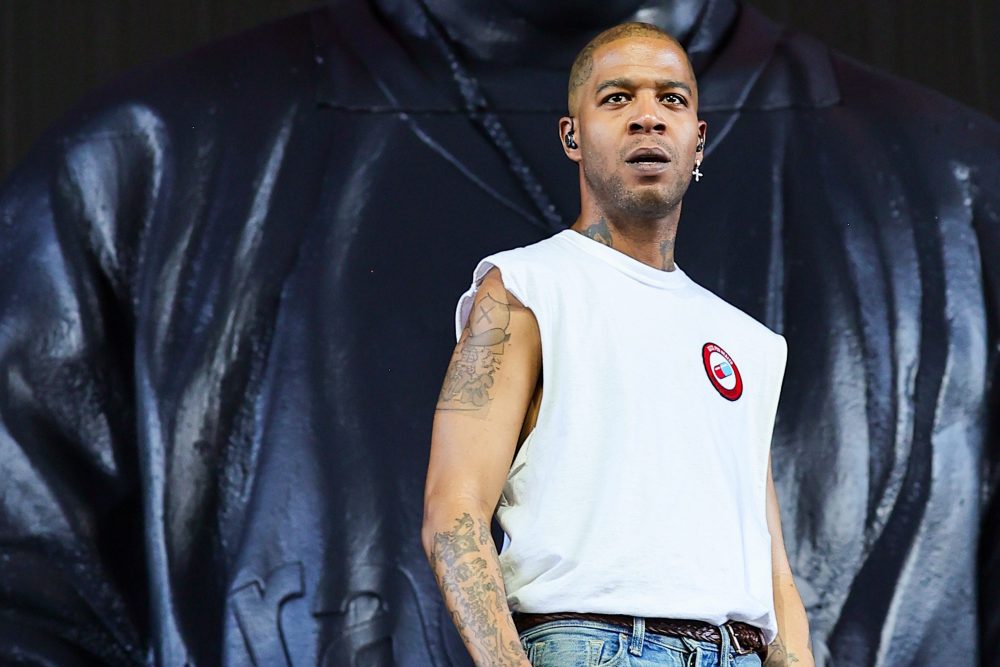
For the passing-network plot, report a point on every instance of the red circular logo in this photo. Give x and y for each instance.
(722, 371)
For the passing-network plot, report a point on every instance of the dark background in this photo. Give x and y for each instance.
(52, 52)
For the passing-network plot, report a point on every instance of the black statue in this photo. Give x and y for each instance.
(227, 301)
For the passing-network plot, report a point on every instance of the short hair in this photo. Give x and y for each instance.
(583, 66)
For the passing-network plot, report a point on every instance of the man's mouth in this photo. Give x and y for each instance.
(648, 159)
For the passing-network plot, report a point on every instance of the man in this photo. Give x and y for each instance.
(225, 289)
(633, 129)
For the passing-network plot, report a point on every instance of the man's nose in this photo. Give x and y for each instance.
(646, 118)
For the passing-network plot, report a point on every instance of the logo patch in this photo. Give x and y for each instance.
(722, 371)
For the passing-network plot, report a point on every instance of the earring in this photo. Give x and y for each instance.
(697, 171)
(701, 146)
(570, 141)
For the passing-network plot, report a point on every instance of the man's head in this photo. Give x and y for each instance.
(633, 125)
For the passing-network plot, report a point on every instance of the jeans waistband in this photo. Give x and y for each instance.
(736, 636)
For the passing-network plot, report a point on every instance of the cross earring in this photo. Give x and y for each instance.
(697, 172)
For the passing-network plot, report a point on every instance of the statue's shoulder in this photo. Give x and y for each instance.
(253, 73)
(840, 98)
(805, 73)
(880, 94)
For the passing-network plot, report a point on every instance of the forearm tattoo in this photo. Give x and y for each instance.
(467, 568)
(469, 379)
(778, 655)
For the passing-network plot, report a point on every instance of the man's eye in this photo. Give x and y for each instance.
(616, 98)
(677, 99)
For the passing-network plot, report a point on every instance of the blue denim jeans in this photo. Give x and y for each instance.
(585, 643)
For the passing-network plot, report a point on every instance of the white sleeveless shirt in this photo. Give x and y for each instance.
(641, 489)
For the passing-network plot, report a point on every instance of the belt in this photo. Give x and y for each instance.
(746, 638)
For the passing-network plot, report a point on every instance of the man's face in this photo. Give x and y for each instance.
(638, 127)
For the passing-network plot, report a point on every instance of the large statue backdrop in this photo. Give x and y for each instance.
(227, 288)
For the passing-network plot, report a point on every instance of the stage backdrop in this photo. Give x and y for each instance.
(227, 299)
(53, 51)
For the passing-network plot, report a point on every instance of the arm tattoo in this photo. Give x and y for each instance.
(466, 564)
(469, 377)
(778, 655)
(600, 232)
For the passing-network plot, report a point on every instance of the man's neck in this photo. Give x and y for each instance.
(650, 242)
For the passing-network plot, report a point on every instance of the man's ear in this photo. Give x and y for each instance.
(702, 139)
(568, 138)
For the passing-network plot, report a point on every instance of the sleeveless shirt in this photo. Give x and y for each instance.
(641, 489)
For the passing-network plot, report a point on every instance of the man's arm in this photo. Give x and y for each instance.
(791, 646)
(479, 415)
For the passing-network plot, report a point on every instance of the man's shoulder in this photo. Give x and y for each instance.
(733, 316)
(535, 255)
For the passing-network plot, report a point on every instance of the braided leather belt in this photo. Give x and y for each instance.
(745, 638)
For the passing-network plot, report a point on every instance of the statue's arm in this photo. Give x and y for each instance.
(986, 223)
(69, 504)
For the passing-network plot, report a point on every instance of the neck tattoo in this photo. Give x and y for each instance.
(667, 254)
(600, 232)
